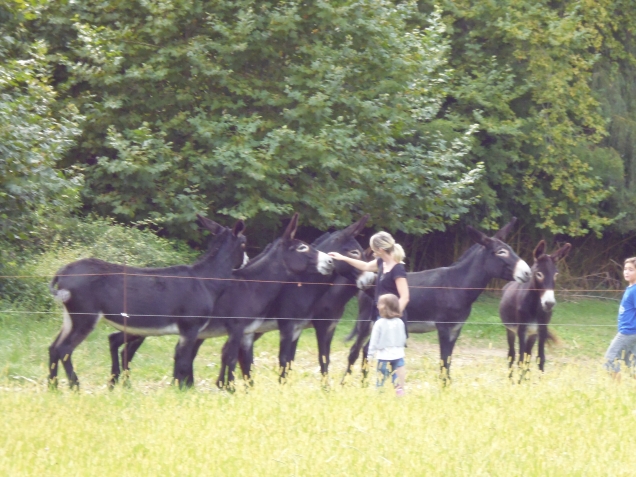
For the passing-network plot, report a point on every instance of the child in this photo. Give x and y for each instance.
(623, 346)
(388, 339)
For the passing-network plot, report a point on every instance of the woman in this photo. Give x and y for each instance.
(391, 272)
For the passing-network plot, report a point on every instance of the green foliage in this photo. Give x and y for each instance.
(523, 73)
(34, 131)
(256, 109)
(29, 271)
(615, 83)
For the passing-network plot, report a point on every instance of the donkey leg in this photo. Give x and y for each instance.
(220, 382)
(184, 357)
(543, 336)
(447, 334)
(195, 351)
(73, 332)
(511, 347)
(246, 356)
(54, 358)
(54, 355)
(286, 328)
(324, 336)
(354, 352)
(530, 341)
(115, 340)
(521, 332)
(365, 362)
(132, 344)
(229, 358)
(524, 357)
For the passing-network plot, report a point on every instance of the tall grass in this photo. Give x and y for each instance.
(571, 421)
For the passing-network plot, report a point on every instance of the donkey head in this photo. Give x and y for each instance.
(344, 242)
(297, 256)
(226, 240)
(500, 260)
(544, 273)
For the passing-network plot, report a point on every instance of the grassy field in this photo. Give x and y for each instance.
(572, 420)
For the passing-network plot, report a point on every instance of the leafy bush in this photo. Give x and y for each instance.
(26, 273)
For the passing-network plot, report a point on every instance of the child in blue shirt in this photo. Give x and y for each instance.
(623, 346)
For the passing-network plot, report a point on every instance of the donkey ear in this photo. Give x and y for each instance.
(208, 224)
(505, 230)
(239, 228)
(290, 231)
(539, 250)
(561, 253)
(357, 227)
(477, 236)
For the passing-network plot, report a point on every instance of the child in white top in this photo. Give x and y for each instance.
(388, 339)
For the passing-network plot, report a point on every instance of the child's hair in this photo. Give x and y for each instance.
(384, 241)
(391, 305)
(631, 260)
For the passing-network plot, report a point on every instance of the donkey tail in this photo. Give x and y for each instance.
(62, 295)
(553, 338)
(353, 333)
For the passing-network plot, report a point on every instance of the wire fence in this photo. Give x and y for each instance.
(565, 294)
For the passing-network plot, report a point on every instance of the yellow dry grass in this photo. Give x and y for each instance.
(573, 420)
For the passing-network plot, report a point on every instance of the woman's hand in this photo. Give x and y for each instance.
(336, 255)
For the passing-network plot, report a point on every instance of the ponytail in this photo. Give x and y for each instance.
(398, 253)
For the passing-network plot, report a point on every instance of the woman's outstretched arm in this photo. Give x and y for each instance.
(371, 266)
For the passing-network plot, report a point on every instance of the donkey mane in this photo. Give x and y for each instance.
(464, 256)
(214, 247)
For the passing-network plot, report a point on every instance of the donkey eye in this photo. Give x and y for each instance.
(354, 253)
(540, 275)
(302, 248)
(502, 252)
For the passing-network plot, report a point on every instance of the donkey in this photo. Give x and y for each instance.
(442, 298)
(243, 307)
(526, 308)
(320, 301)
(144, 301)
(324, 296)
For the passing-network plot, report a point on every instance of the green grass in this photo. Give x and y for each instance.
(572, 420)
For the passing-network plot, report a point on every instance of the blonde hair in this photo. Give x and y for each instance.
(384, 241)
(391, 305)
(631, 260)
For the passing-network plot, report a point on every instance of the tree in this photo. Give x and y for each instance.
(523, 72)
(34, 134)
(255, 109)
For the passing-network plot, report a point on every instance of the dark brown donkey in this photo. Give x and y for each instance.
(144, 301)
(526, 308)
(442, 298)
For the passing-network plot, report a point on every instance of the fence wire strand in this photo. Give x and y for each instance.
(126, 316)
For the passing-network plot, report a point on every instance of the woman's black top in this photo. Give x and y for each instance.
(386, 284)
